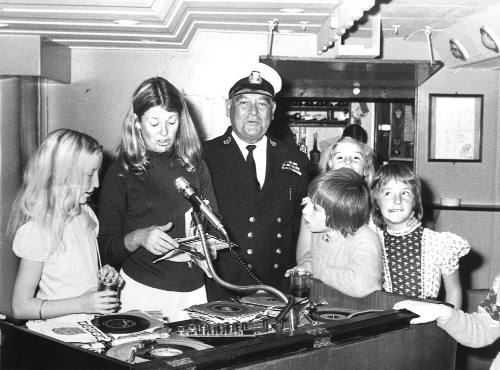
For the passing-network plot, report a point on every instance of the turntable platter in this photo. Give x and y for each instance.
(263, 299)
(329, 313)
(225, 309)
(147, 350)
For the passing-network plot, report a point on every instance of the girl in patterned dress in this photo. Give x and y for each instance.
(415, 258)
(477, 329)
(55, 233)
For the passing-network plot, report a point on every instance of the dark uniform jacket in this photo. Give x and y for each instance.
(264, 223)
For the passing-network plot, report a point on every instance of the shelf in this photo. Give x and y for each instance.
(316, 107)
(318, 123)
(466, 207)
(403, 159)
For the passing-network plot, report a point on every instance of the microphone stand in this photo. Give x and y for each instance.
(238, 288)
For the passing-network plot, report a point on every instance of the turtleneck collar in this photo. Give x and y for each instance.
(165, 155)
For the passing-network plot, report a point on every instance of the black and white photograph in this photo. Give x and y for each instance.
(266, 184)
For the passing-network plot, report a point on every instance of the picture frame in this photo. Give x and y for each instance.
(455, 128)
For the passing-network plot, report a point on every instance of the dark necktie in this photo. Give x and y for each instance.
(251, 164)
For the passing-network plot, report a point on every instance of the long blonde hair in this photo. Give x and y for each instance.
(151, 93)
(368, 153)
(53, 183)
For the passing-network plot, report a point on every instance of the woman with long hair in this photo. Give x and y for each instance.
(141, 212)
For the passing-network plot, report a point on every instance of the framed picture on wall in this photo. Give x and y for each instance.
(455, 128)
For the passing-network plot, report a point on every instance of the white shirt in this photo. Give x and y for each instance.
(68, 272)
(259, 155)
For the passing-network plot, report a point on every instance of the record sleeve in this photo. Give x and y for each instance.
(192, 246)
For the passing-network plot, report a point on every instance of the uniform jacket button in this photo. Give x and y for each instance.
(249, 251)
(278, 220)
(278, 235)
(252, 219)
(276, 266)
(278, 251)
(250, 234)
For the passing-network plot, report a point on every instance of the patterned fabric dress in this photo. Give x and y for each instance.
(415, 261)
(404, 259)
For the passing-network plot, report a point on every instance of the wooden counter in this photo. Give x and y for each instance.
(371, 341)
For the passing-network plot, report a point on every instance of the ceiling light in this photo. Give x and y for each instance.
(356, 90)
(292, 10)
(126, 22)
(488, 39)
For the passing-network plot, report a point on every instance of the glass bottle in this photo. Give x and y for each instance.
(315, 154)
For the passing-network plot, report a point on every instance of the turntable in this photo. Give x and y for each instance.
(147, 350)
(224, 312)
(130, 326)
(121, 323)
(327, 313)
(263, 299)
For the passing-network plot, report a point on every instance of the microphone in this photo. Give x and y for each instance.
(184, 187)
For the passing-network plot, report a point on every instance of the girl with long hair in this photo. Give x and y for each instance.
(54, 233)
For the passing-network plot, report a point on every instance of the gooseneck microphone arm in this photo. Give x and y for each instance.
(184, 187)
(239, 288)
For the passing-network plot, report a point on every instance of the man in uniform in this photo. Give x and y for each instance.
(259, 183)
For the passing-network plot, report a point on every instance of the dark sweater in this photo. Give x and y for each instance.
(128, 202)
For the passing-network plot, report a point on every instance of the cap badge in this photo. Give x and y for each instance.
(255, 78)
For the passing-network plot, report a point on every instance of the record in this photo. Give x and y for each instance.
(121, 324)
(225, 309)
(146, 350)
(326, 314)
(263, 299)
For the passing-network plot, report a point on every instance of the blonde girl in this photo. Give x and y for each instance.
(54, 233)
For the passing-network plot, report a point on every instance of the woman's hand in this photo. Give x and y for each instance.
(103, 302)
(154, 239)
